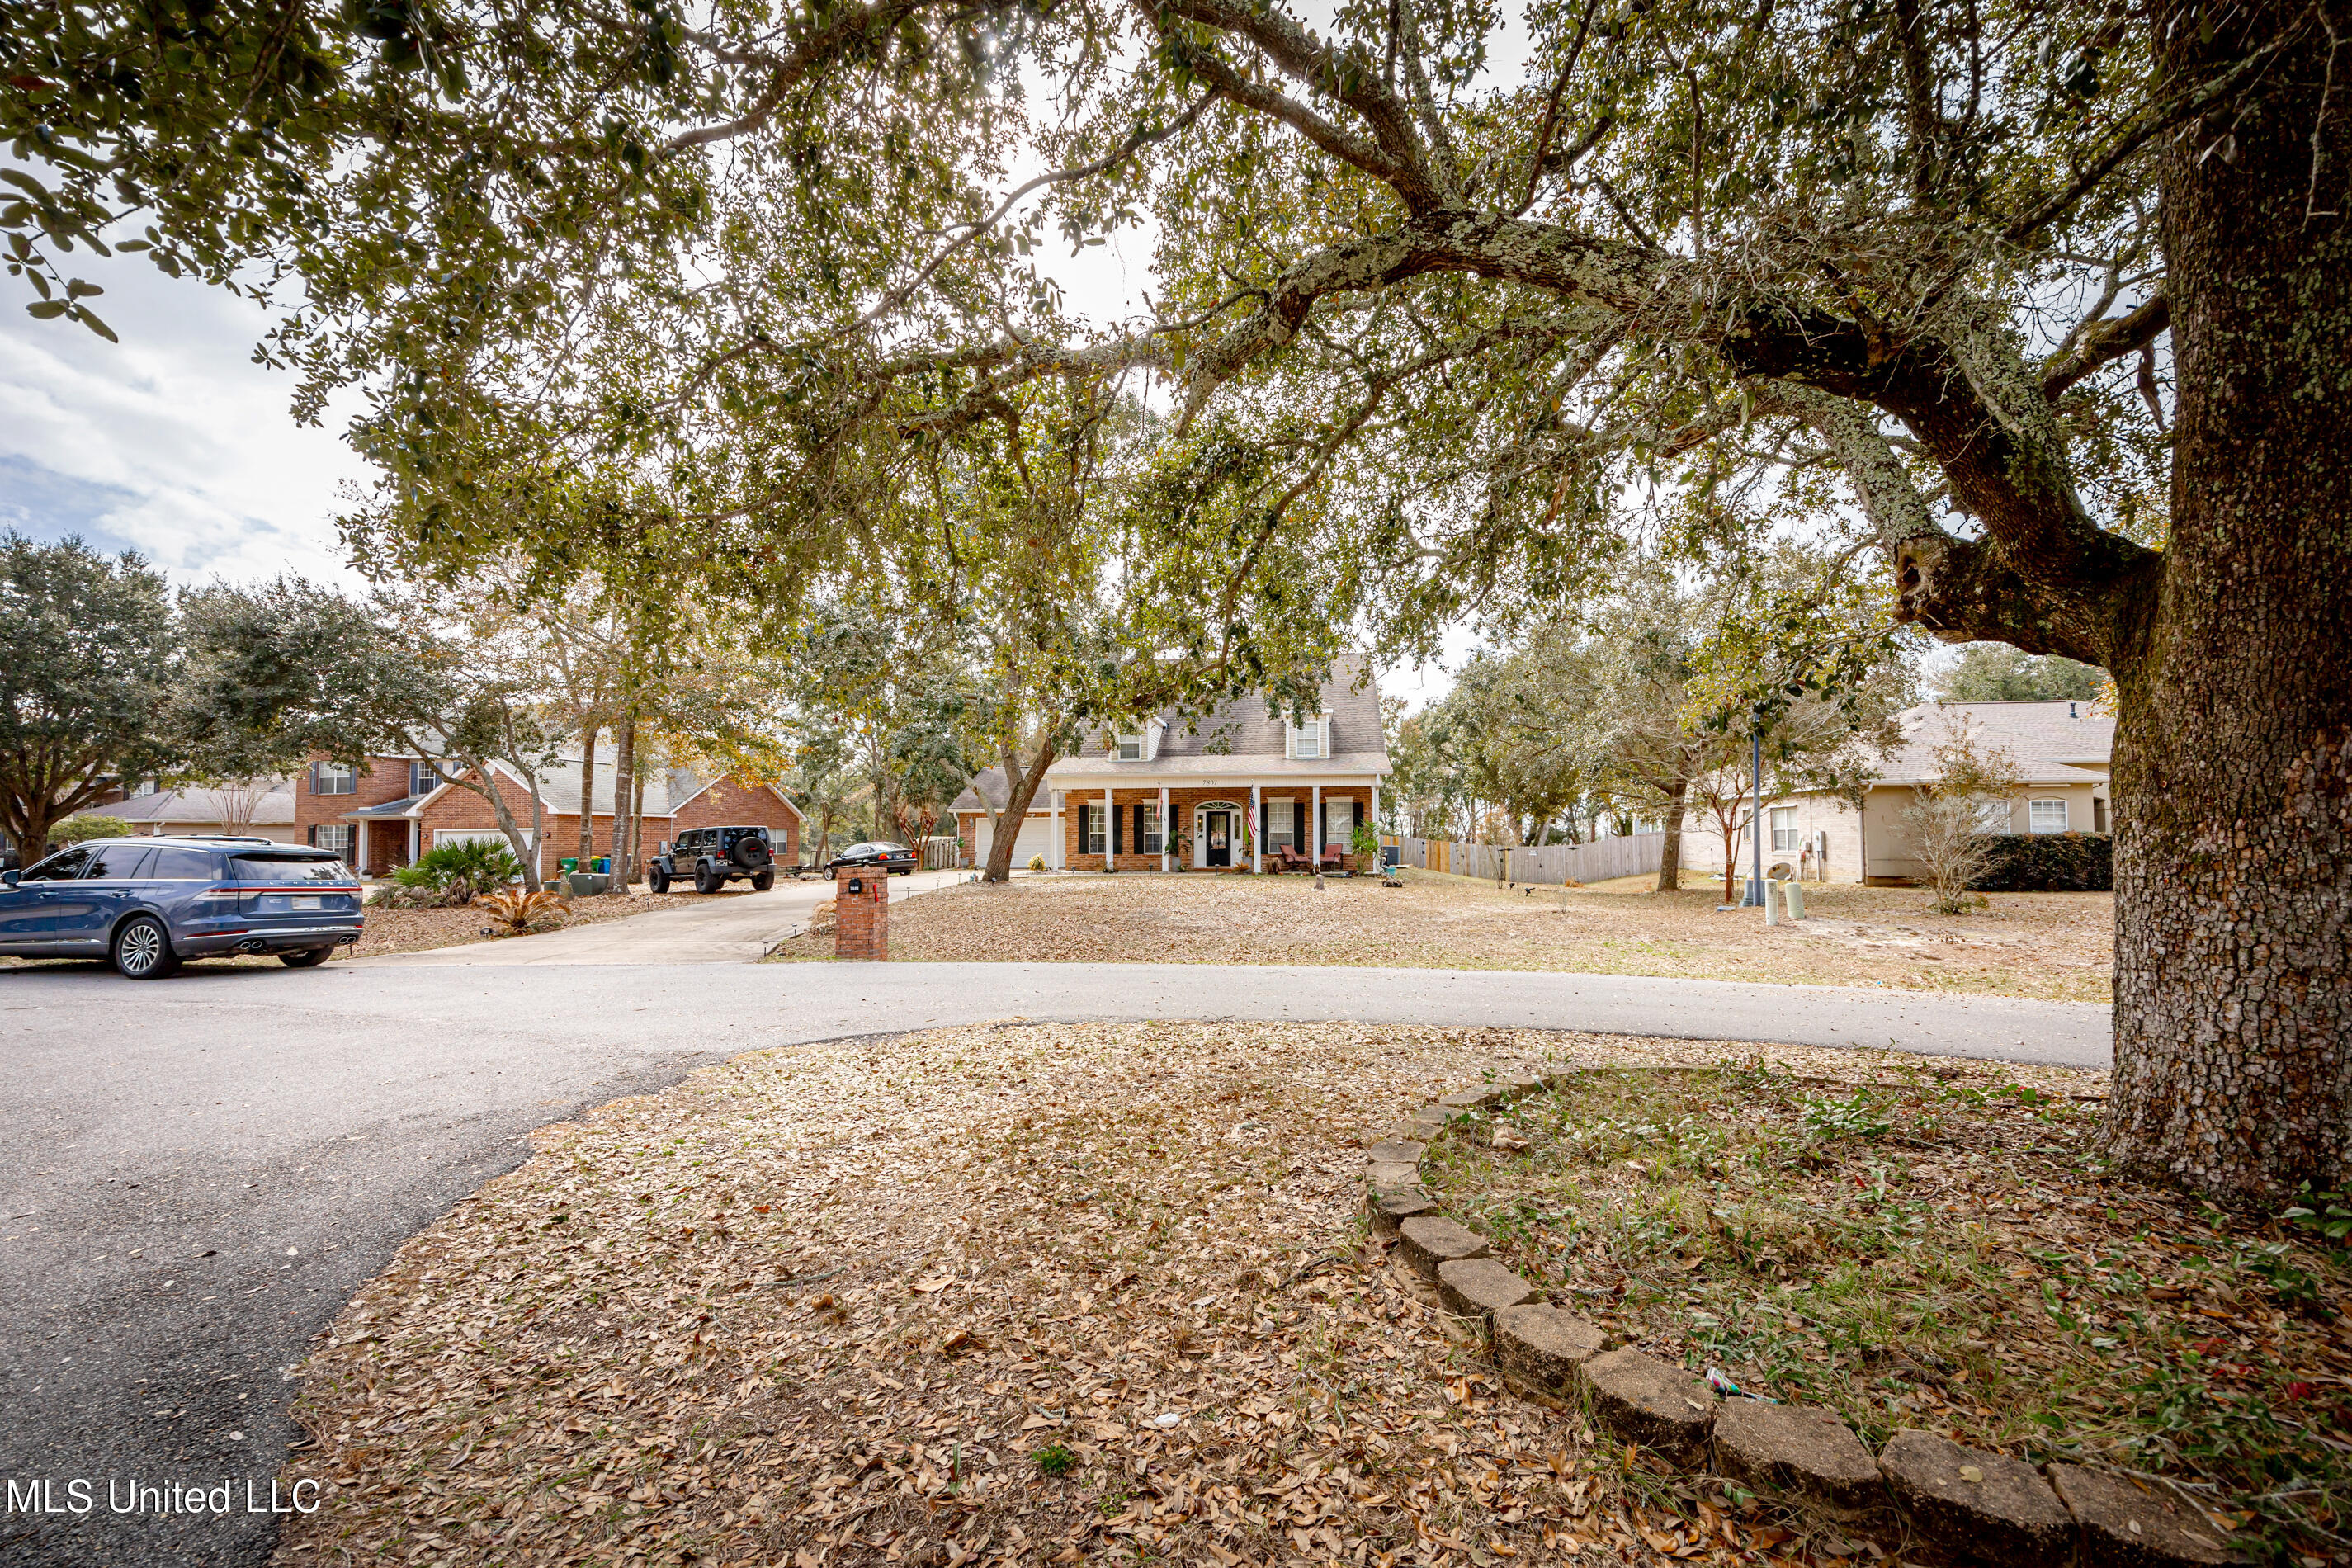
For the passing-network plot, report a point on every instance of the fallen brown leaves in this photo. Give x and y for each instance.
(416, 931)
(848, 1303)
(1935, 1245)
(2058, 946)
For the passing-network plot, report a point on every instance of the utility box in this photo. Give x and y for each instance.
(861, 915)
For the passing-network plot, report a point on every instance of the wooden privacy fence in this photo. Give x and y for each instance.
(1633, 855)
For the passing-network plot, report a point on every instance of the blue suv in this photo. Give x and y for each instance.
(147, 903)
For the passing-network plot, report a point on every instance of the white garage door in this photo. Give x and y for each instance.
(1036, 832)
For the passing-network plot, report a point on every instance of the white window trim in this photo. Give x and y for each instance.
(1142, 749)
(1786, 839)
(2066, 816)
(1321, 728)
(1154, 832)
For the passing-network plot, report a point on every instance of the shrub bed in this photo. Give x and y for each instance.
(2047, 863)
(1936, 1252)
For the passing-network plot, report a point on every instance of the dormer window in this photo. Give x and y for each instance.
(1130, 748)
(1310, 741)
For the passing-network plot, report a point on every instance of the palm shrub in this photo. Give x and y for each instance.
(519, 913)
(456, 874)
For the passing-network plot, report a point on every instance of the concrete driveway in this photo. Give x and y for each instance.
(201, 1170)
(732, 927)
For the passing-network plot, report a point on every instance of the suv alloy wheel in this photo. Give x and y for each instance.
(142, 949)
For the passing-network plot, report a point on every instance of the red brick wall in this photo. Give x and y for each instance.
(384, 779)
(726, 804)
(460, 807)
(862, 920)
(732, 804)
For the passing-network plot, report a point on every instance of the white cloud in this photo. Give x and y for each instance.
(172, 442)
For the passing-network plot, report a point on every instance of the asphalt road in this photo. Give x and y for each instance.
(199, 1170)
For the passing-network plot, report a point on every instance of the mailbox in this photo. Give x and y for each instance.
(857, 887)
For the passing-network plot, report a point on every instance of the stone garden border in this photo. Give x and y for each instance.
(1960, 1502)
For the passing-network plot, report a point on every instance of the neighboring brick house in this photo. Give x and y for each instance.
(2059, 750)
(395, 809)
(1218, 793)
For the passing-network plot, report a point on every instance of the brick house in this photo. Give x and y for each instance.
(394, 809)
(2059, 750)
(1222, 793)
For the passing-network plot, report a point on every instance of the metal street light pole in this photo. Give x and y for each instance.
(1755, 899)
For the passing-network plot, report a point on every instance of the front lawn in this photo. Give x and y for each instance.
(1028, 1294)
(2058, 946)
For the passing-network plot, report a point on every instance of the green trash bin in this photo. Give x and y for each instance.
(568, 865)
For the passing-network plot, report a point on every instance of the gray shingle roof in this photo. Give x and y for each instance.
(1243, 737)
(195, 805)
(2044, 740)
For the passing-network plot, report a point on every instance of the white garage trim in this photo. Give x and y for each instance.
(1034, 835)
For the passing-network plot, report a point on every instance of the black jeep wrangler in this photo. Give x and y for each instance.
(714, 857)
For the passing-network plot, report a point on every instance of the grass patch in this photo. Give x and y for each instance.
(1937, 1250)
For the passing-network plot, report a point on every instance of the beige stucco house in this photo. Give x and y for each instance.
(2059, 751)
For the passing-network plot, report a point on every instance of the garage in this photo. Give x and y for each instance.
(1036, 833)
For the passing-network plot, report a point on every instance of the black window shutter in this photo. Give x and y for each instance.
(1085, 838)
(1114, 830)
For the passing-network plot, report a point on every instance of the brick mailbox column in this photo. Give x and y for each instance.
(861, 914)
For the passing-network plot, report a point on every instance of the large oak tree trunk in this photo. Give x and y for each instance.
(2234, 750)
(1670, 851)
(624, 826)
(588, 795)
(1020, 791)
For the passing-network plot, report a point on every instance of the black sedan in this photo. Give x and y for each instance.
(895, 858)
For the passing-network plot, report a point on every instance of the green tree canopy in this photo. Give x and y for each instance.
(89, 650)
(1995, 672)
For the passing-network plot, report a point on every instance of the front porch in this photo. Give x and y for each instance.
(1222, 827)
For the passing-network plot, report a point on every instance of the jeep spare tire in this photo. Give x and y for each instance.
(750, 853)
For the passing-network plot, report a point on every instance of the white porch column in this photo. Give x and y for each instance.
(413, 828)
(1167, 829)
(1379, 860)
(1054, 804)
(1257, 839)
(1315, 827)
(1110, 827)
